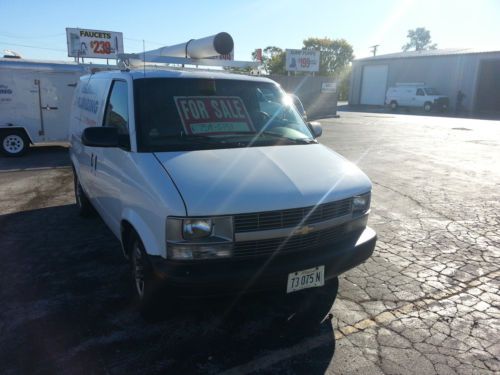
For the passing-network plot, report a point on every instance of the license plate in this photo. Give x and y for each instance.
(310, 278)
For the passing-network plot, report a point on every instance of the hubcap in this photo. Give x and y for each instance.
(138, 270)
(13, 143)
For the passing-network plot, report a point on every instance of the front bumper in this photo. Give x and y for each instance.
(441, 103)
(233, 276)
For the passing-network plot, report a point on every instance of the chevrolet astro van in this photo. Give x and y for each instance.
(208, 192)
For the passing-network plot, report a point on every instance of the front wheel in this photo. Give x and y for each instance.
(427, 107)
(14, 143)
(146, 285)
(394, 105)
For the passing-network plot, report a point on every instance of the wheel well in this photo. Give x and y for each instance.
(15, 129)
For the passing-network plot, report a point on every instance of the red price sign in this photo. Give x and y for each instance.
(304, 62)
(100, 47)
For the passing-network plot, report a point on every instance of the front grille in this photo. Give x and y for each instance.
(441, 101)
(294, 243)
(290, 218)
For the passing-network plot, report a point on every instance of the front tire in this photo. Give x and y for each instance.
(394, 105)
(146, 285)
(427, 107)
(14, 143)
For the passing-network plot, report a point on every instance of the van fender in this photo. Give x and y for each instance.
(17, 127)
(149, 240)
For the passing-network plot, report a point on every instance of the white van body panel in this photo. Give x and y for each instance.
(242, 180)
(145, 188)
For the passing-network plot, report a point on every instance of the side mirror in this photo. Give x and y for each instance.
(316, 128)
(104, 136)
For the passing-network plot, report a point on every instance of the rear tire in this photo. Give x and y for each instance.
(14, 143)
(85, 208)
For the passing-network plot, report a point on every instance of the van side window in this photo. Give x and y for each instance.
(420, 92)
(117, 108)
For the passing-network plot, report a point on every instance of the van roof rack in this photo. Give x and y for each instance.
(210, 51)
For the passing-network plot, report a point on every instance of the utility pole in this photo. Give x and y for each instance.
(374, 49)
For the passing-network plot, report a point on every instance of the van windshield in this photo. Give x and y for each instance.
(175, 114)
(431, 91)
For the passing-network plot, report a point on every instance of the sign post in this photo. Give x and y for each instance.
(96, 44)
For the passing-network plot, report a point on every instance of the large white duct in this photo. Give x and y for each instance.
(218, 44)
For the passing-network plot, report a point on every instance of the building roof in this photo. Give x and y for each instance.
(428, 53)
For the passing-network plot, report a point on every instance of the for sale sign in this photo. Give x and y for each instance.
(302, 60)
(94, 43)
(213, 114)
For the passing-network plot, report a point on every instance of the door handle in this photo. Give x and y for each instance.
(48, 108)
(93, 161)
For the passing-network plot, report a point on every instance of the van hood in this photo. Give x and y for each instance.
(253, 179)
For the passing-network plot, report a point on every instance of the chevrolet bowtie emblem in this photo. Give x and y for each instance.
(303, 230)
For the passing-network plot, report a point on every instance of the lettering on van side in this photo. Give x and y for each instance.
(5, 94)
(88, 104)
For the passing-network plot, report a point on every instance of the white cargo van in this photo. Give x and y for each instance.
(419, 96)
(208, 193)
(35, 102)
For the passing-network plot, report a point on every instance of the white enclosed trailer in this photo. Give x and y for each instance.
(35, 101)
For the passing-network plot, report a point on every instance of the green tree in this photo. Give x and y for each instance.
(273, 59)
(336, 54)
(420, 39)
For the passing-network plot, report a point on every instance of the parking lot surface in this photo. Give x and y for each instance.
(426, 302)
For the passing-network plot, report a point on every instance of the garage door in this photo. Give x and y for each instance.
(374, 84)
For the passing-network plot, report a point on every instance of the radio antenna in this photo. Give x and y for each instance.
(144, 57)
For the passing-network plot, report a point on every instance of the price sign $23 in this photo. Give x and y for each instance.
(100, 47)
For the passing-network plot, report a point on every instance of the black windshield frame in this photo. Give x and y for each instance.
(148, 90)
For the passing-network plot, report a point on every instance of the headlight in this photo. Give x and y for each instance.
(199, 238)
(361, 203)
(193, 229)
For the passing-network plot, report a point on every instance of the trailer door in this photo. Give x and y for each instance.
(19, 105)
(56, 96)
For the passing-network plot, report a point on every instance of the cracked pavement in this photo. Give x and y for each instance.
(426, 302)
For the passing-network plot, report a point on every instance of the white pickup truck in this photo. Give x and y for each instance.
(210, 194)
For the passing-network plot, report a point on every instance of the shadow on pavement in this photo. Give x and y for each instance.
(65, 296)
(39, 157)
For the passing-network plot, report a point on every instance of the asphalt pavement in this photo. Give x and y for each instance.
(426, 302)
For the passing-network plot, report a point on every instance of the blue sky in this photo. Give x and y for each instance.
(253, 24)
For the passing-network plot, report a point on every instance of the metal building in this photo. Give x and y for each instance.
(475, 73)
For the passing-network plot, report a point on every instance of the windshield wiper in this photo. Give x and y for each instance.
(301, 141)
(278, 136)
(188, 137)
